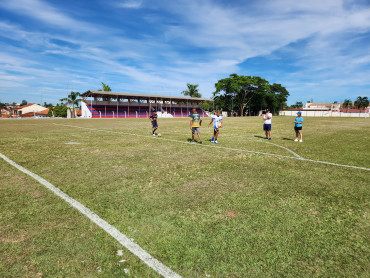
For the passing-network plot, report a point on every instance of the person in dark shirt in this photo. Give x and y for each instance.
(153, 119)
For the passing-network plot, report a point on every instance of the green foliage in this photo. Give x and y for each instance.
(73, 100)
(236, 214)
(105, 87)
(361, 102)
(192, 90)
(298, 104)
(2, 105)
(347, 103)
(60, 110)
(207, 106)
(47, 104)
(50, 113)
(24, 102)
(253, 93)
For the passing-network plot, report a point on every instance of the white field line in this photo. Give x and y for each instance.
(121, 238)
(219, 147)
(259, 141)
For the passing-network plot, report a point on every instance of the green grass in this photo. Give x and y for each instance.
(199, 210)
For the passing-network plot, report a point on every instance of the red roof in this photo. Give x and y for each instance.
(24, 106)
(28, 115)
(43, 112)
(352, 110)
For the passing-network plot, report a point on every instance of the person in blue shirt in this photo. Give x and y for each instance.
(298, 127)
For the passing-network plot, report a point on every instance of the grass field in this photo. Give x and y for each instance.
(200, 210)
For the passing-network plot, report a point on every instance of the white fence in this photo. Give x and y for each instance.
(324, 114)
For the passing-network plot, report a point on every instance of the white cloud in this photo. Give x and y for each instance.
(224, 35)
(44, 12)
(130, 4)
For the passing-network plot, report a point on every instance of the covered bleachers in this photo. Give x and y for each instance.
(100, 104)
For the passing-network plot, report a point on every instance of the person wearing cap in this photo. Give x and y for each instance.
(267, 124)
(298, 127)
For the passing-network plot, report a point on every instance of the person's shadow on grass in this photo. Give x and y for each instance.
(284, 138)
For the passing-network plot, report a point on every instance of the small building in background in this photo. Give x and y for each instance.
(43, 113)
(334, 109)
(28, 110)
(323, 106)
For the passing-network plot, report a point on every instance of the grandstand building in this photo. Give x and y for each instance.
(102, 104)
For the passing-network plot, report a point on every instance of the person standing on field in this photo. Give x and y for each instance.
(298, 127)
(153, 119)
(267, 124)
(195, 123)
(217, 124)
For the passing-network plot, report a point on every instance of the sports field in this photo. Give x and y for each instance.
(246, 207)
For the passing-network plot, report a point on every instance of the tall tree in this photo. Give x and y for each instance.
(47, 105)
(105, 87)
(298, 104)
(192, 90)
(361, 102)
(24, 102)
(347, 103)
(249, 92)
(74, 100)
(60, 110)
(51, 112)
(281, 95)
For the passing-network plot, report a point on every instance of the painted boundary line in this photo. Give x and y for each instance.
(219, 147)
(134, 248)
(282, 147)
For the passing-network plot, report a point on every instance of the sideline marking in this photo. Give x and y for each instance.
(219, 147)
(259, 141)
(134, 248)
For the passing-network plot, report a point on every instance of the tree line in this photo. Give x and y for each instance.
(247, 95)
(360, 103)
(243, 95)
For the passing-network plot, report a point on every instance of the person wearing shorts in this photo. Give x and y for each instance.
(153, 119)
(267, 124)
(298, 127)
(195, 123)
(217, 124)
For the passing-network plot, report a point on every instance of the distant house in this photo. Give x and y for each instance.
(322, 106)
(8, 112)
(28, 110)
(327, 110)
(43, 113)
(5, 113)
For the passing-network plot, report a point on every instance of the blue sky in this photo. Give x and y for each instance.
(316, 49)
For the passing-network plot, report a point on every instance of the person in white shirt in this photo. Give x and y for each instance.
(217, 124)
(267, 124)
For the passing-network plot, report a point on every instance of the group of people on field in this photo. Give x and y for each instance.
(216, 120)
(298, 122)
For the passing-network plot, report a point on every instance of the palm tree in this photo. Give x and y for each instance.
(73, 100)
(362, 102)
(192, 91)
(347, 103)
(106, 87)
